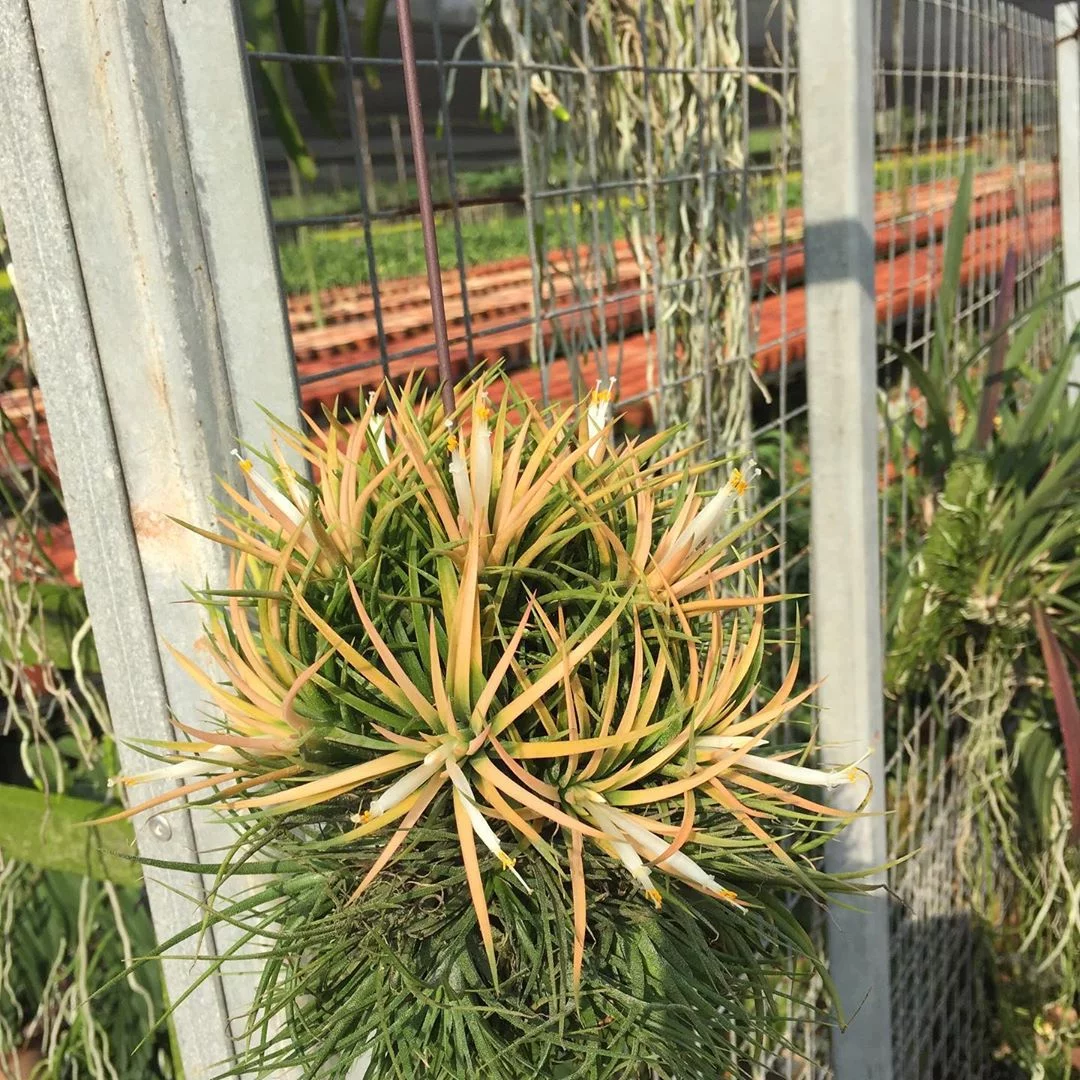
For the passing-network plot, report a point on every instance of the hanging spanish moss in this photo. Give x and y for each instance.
(652, 121)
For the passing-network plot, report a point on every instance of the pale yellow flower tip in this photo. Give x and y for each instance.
(730, 897)
(738, 482)
(451, 443)
(245, 465)
(655, 897)
(363, 817)
(481, 411)
(507, 862)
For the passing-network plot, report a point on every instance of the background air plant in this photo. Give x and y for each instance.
(986, 610)
(492, 725)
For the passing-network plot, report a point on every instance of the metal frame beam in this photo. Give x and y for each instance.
(837, 56)
(138, 224)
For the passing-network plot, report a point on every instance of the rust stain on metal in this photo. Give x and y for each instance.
(151, 524)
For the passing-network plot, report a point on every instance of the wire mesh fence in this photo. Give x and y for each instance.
(649, 233)
(619, 194)
(653, 236)
(958, 85)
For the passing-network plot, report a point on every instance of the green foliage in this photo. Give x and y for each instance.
(497, 180)
(63, 939)
(8, 317)
(314, 81)
(49, 833)
(60, 612)
(989, 609)
(281, 26)
(495, 729)
(401, 975)
(341, 258)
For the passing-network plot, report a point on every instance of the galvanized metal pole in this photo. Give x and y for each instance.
(1067, 29)
(837, 55)
(215, 99)
(138, 341)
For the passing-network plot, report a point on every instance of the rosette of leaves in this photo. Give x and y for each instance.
(491, 727)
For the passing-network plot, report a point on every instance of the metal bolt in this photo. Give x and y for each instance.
(160, 827)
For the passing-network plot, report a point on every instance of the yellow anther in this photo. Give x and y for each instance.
(729, 896)
(364, 817)
(655, 897)
(452, 443)
(481, 412)
(245, 465)
(600, 396)
(507, 862)
(851, 774)
(738, 482)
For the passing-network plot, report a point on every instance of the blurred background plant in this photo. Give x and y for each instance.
(659, 123)
(987, 610)
(71, 917)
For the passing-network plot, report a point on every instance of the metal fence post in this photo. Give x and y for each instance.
(836, 71)
(1067, 29)
(139, 322)
(215, 99)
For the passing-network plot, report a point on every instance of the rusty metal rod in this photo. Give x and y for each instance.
(427, 213)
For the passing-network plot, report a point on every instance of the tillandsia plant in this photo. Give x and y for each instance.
(492, 726)
(988, 613)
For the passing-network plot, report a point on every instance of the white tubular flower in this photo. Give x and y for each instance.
(704, 525)
(287, 511)
(480, 447)
(726, 742)
(377, 433)
(459, 473)
(677, 864)
(180, 769)
(598, 415)
(403, 787)
(782, 770)
(480, 823)
(610, 822)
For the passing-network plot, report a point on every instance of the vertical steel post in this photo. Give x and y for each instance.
(138, 225)
(213, 87)
(1067, 29)
(836, 71)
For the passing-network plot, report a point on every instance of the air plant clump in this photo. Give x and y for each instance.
(491, 727)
